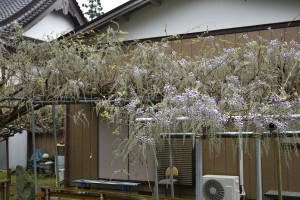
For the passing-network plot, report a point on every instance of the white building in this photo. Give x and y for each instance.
(40, 20)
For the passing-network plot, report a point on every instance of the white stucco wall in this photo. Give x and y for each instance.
(54, 25)
(187, 16)
(17, 151)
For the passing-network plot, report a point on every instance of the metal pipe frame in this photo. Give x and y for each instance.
(233, 134)
(65, 101)
(156, 180)
(34, 154)
(199, 169)
(4, 191)
(171, 170)
(241, 168)
(258, 168)
(55, 146)
(149, 119)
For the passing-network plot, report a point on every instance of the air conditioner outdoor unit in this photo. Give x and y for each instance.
(220, 187)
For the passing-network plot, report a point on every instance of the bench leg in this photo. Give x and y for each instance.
(101, 197)
(47, 194)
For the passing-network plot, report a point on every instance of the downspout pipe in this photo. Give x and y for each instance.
(34, 153)
(199, 167)
(241, 163)
(66, 172)
(55, 146)
(258, 167)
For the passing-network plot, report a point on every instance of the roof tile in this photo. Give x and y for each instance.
(21, 11)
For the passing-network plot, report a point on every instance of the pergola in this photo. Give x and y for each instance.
(198, 160)
(198, 145)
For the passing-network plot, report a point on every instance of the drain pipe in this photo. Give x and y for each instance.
(66, 130)
(241, 163)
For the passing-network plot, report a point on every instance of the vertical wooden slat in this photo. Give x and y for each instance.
(240, 38)
(291, 34)
(45, 143)
(94, 145)
(229, 40)
(176, 46)
(219, 41)
(220, 159)
(266, 34)
(278, 34)
(50, 143)
(196, 47)
(252, 180)
(78, 146)
(268, 168)
(284, 172)
(109, 164)
(208, 159)
(187, 47)
(294, 174)
(71, 145)
(232, 158)
(86, 142)
(253, 35)
(247, 168)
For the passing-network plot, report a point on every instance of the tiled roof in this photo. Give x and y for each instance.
(20, 11)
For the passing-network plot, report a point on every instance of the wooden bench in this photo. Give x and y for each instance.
(125, 186)
(47, 192)
(4, 189)
(273, 194)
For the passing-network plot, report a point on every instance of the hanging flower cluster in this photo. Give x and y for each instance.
(258, 81)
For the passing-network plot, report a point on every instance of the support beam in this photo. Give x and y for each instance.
(199, 170)
(7, 159)
(171, 169)
(55, 146)
(156, 179)
(34, 154)
(6, 190)
(258, 167)
(155, 2)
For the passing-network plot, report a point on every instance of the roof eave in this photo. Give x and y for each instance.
(112, 15)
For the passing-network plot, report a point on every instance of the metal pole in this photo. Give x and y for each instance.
(4, 191)
(156, 179)
(55, 146)
(171, 169)
(8, 169)
(7, 159)
(278, 164)
(198, 167)
(258, 168)
(33, 146)
(241, 163)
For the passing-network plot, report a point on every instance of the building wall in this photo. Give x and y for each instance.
(226, 163)
(43, 141)
(179, 17)
(81, 145)
(17, 151)
(50, 27)
(108, 166)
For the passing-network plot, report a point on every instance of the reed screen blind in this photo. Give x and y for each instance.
(182, 152)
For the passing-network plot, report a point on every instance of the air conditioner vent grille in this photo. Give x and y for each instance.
(213, 190)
